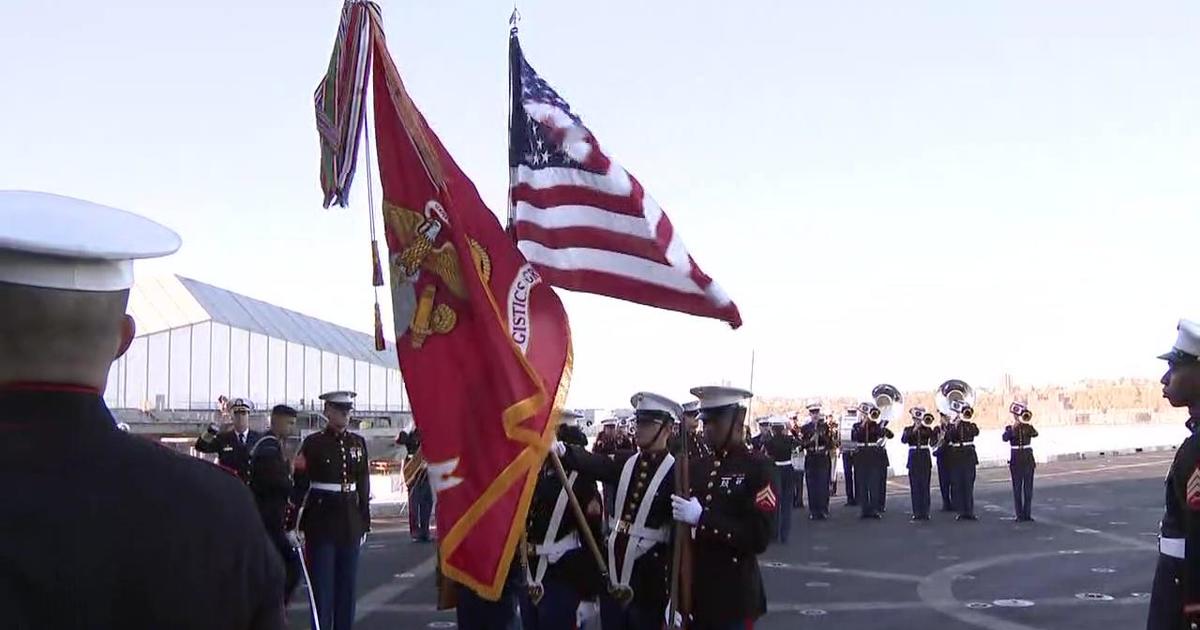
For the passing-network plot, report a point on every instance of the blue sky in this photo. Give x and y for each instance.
(902, 192)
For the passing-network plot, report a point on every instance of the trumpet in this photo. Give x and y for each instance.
(920, 416)
(956, 399)
(1021, 412)
(869, 411)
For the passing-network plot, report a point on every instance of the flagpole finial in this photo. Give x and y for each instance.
(514, 20)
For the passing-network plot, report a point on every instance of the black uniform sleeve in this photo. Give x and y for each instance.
(1186, 482)
(970, 431)
(856, 433)
(747, 529)
(1032, 432)
(268, 469)
(906, 437)
(888, 433)
(211, 445)
(598, 467)
(1008, 434)
(363, 484)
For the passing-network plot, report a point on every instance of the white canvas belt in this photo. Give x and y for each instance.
(967, 443)
(783, 464)
(333, 487)
(569, 542)
(923, 447)
(637, 531)
(1018, 447)
(1174, 547)
(549, 553)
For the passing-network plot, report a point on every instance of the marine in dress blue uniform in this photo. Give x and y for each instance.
(640, 533)
(849, 448)
(781, 442)
(560, 573)
(817, 441)
(870, 463)
(103, 529)
(960, 440)
(1175, 597)
(1019, 435)
(332, 488)
(945, 465)
(271, 482)
(730, 514)
(920, 438)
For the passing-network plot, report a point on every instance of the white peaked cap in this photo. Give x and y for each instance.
(715, 396)
(691, 406)
(569, 417)
(340, 397)
(647, 401)
(54, 242)
(1187, 343)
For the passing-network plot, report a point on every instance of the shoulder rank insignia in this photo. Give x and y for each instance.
(1193, 489)
(765, 499)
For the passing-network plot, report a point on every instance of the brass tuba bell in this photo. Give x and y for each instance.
(890, 402)
(956, 399)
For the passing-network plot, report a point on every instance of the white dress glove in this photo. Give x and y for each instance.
(558, 448)
(686, 510)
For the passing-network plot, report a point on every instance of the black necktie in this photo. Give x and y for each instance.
(242, 438)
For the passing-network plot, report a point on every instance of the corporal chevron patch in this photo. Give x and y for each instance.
(1193, 490)
(765, 499)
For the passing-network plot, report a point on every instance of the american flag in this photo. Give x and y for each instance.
(584, 222)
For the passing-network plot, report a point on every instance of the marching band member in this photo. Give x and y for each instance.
(1019, 434)
(778, 448)
(817, 442)
(730, 514)
(945, 464)
(640, 534)
(849, 448)
(870, 461)
(920, 438)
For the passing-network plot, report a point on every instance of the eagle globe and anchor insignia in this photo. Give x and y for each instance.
(418, 232)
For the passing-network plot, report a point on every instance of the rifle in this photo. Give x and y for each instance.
(681, 561)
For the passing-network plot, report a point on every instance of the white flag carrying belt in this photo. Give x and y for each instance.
(549, 553)
(641, 538)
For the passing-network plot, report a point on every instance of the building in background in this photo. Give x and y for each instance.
(197, 342)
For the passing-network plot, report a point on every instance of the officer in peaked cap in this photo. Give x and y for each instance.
(233, 442)
(1175, 598)
(730, 513)
(333, 491)
(639, 540)
(66, 268)
(691, 422)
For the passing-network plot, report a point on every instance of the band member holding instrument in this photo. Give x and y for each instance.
(920, 438)
(1175, 598)
(870, 460)
(817, 441)
(847, 427)
(1019, 434)
(955, 398)
(778, 448)
(640, 533)
(945, 466)
(559, 572)
(730, 514)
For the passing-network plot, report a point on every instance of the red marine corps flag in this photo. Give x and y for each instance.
(484, 344)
